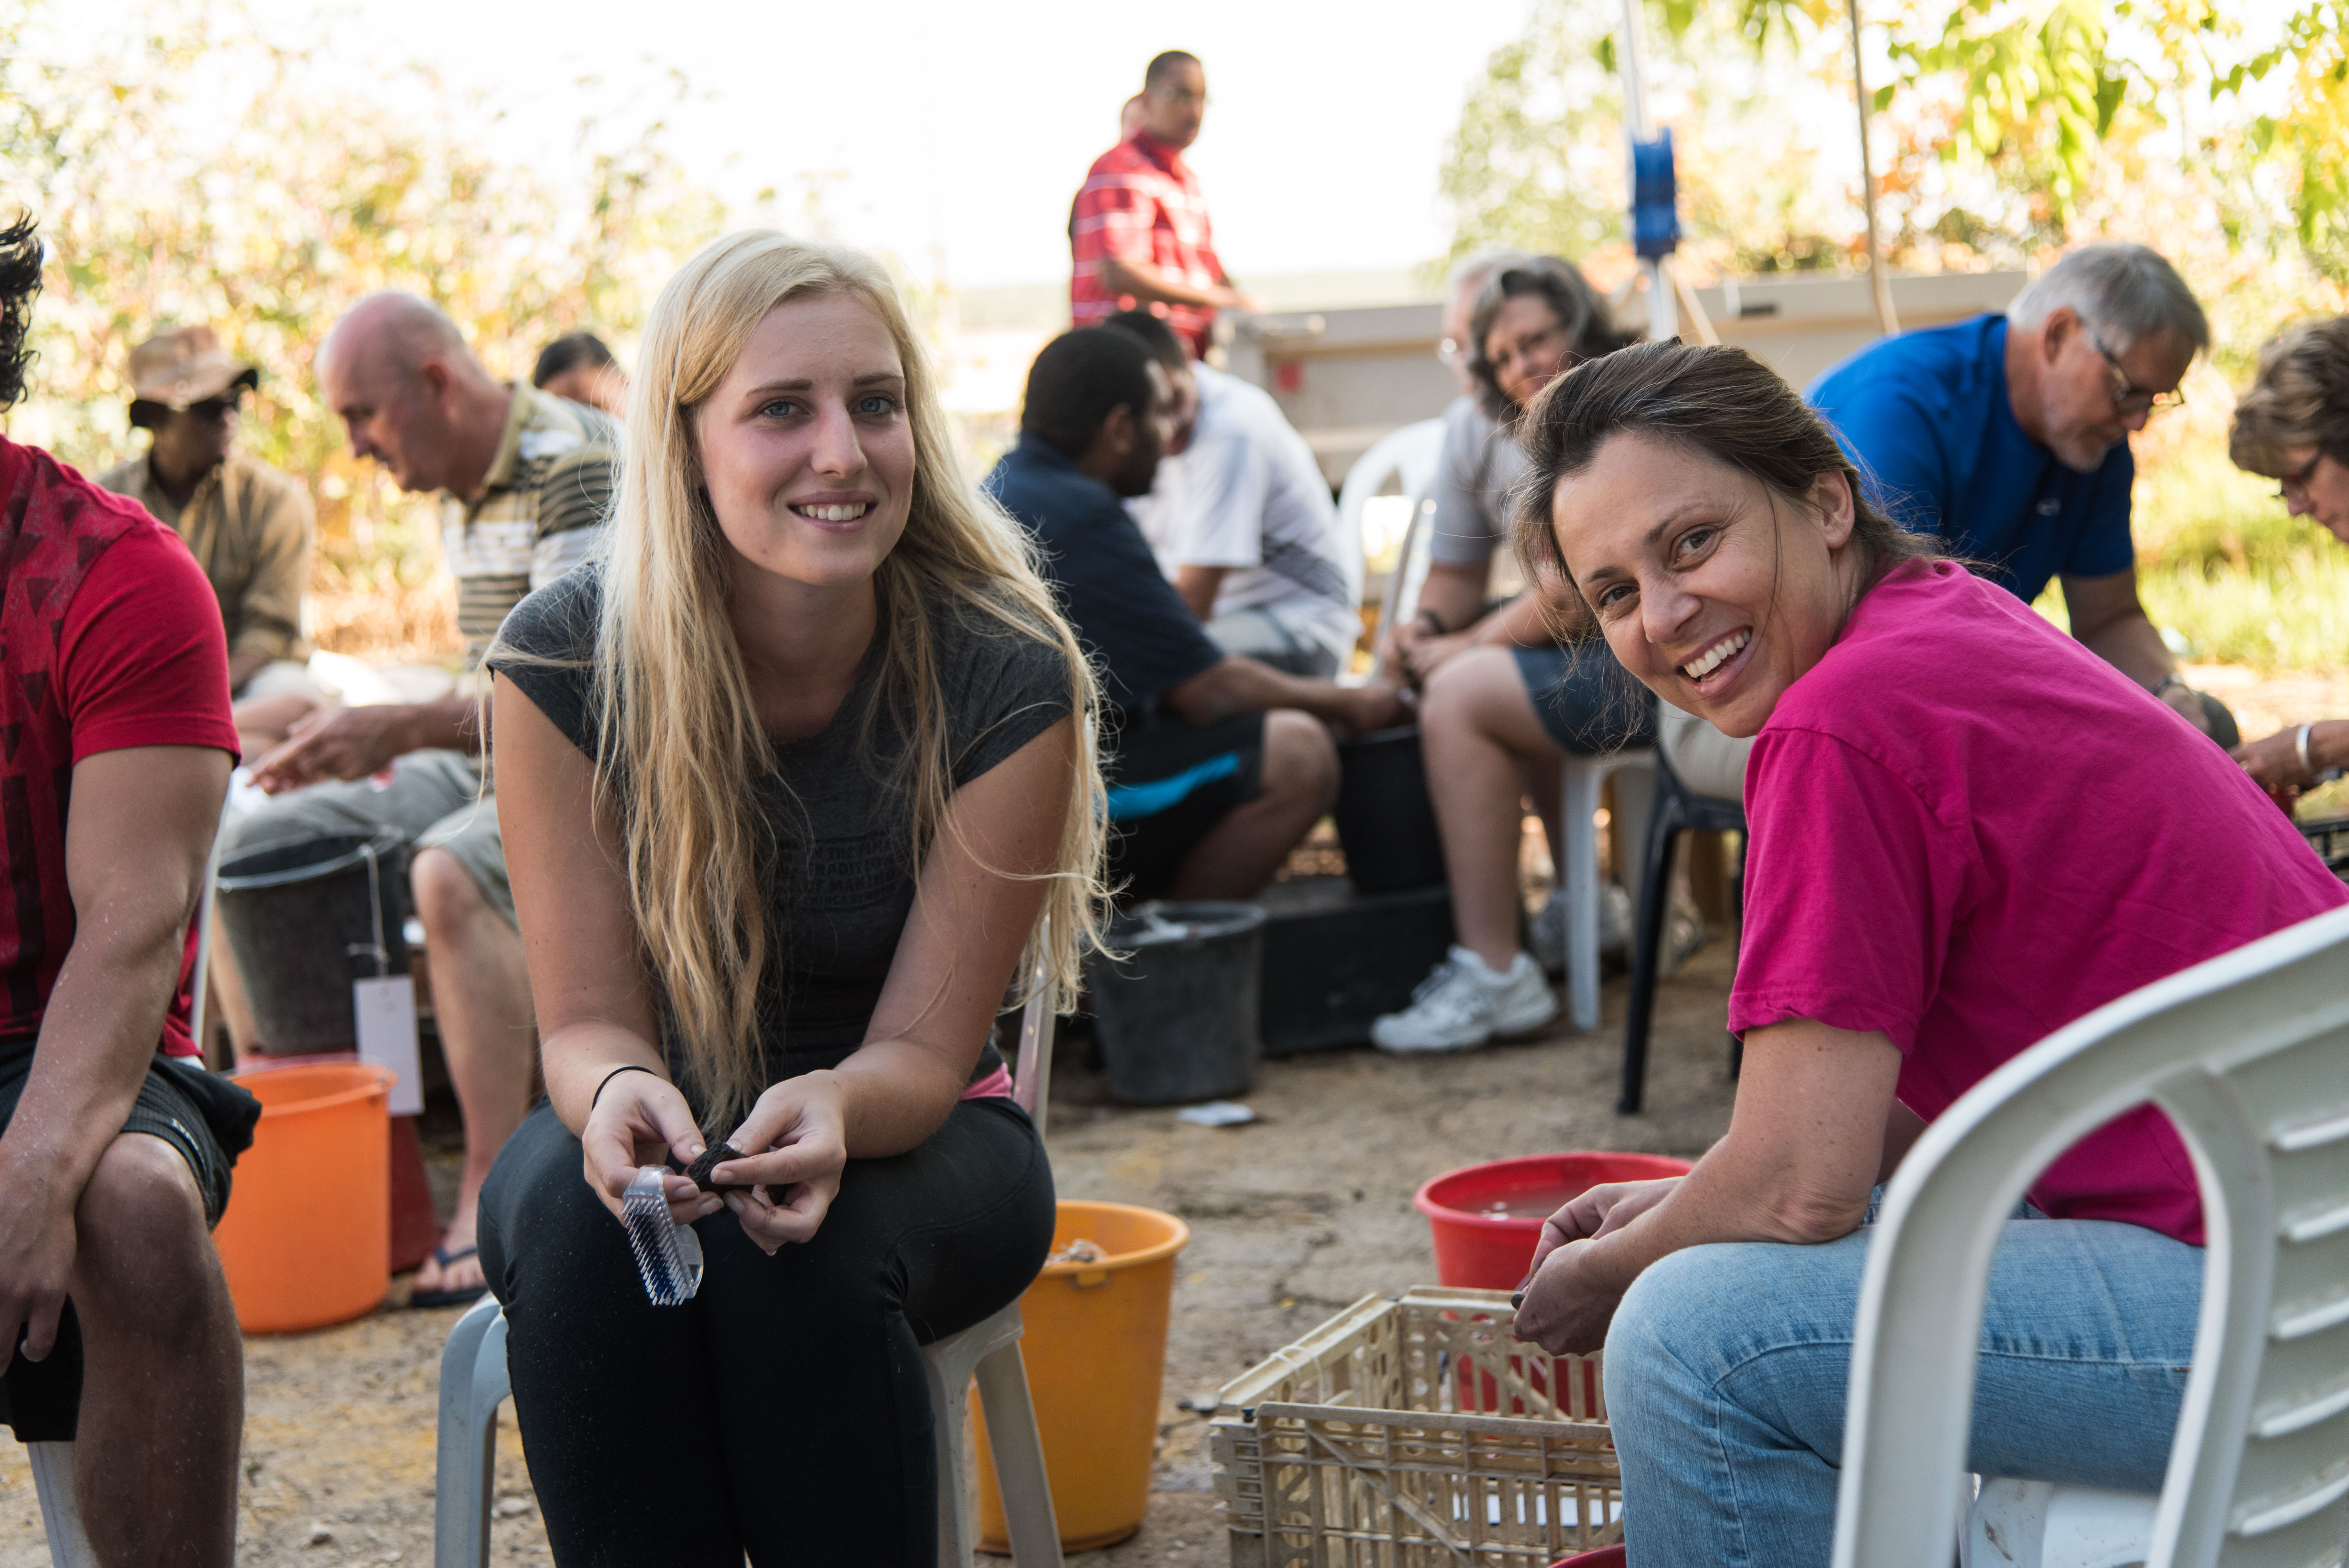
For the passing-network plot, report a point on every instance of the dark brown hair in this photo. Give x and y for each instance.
(1719, 403)
(20, 280)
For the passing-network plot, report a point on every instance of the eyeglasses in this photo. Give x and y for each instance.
(2299, 478)
(1516, 352)
(214, 408)
(2129, 398)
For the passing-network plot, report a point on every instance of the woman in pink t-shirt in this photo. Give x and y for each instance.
(1966, 831)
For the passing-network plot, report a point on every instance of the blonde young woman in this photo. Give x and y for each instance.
(785, 784)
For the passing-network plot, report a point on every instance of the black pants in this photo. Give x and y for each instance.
(783, 1411)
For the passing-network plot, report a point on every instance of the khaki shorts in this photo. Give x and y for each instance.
(433, 796)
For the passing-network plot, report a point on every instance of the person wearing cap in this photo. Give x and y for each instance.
(249, 526)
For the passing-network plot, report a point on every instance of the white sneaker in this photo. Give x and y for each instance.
(1464, 1004)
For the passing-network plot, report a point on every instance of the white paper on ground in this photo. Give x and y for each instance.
(386, 1010)
(1215, 1113)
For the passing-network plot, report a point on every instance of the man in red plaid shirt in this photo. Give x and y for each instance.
(1140, 233)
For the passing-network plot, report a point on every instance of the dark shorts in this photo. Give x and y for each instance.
(1589, 704)
(1169, 784)
(209, 1121)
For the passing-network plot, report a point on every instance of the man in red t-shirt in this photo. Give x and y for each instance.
(115, 749)
(1139, 234)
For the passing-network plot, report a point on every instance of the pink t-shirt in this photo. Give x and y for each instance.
(1967, 830)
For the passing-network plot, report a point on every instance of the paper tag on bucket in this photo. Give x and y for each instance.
(386, 1010)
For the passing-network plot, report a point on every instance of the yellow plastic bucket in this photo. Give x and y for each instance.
(1095, 1344)
(307, 1240)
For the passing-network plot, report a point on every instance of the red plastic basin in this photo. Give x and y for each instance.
(1487, 1218)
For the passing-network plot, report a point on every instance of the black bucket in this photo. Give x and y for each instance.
(1385, 820)
(299, 921)
(1177, 1018)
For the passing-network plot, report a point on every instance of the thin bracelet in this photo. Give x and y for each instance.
(616, 1072)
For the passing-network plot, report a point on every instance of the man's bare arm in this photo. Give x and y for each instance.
(2110, 620)
(1199, 585)
(353, 742)
(1147, 283)
(138, 838)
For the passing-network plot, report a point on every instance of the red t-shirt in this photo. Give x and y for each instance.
(1968, 830)
(1141, 202)
(110, 638)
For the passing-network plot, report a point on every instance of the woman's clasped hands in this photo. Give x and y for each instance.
(1569, 1295)
(781, 1191)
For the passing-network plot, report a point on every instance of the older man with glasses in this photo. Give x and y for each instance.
(249, 526)
(2008, 435)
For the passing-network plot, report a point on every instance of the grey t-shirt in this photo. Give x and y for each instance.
(838, 869)
(1481, 465)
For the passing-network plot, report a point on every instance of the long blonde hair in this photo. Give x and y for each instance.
(678, 731)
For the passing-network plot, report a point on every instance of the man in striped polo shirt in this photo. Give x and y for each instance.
(525, 481)
(1140, 235)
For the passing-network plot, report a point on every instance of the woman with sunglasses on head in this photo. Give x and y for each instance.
(1924, 901)
(785, 781)
(1502, 702)
(2294, 425)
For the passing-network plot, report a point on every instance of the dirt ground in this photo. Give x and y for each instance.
(1291, 1217)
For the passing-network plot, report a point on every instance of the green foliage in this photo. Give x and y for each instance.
(267, 214)
(2037, 118)
(1538, 159)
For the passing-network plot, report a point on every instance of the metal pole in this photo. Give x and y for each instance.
(1886, 318)
(1663, 309)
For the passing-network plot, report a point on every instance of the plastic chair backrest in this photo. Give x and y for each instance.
(2247, 1055)
(1409, 455)
(1031, 1074)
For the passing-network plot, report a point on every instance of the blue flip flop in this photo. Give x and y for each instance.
(461, 1297)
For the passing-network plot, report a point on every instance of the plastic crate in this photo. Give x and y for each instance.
(2329, 837)
(1415, 1431)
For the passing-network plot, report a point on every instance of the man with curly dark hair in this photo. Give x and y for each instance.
(114, 1144)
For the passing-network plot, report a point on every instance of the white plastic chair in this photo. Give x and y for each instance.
(53, 1483)
(473, 1383)
(1578, 882)
(2248, 1055)
(1408, 456)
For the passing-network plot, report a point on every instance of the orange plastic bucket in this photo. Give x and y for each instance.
(1095, 1344)
(307, 1240)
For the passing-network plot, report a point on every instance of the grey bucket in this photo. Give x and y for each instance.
(299, 921)
(1178, 1015)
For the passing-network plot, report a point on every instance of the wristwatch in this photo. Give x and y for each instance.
(2307, 769)
(2161, 686)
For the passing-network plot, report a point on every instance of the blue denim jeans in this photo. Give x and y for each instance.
(1727, 1367)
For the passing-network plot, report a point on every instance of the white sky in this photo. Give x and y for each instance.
(958, 132)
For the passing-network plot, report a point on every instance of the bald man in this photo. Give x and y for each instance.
(524, 481)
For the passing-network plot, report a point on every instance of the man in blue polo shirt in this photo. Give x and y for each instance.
(2008, 435)
(1218, 765)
